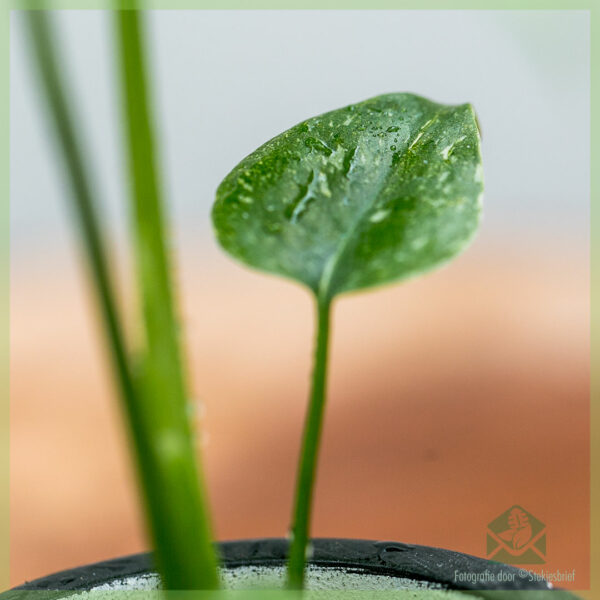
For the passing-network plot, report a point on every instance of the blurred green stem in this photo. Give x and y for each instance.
(177, 499)
(154, 397)
(85, 205)
(309, 452)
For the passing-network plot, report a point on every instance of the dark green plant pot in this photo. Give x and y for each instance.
(389, 561)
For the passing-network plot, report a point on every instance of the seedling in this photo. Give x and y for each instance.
(361, 196)
(365, 195)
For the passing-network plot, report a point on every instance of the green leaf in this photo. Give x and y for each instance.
(360, 196)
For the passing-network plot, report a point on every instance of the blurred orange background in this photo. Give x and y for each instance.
(452, 397)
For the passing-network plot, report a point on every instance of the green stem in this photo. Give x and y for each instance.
(309, 452)
(85, 207)
(41, 37)
(163, 453)
(177, 500)
(43, 44)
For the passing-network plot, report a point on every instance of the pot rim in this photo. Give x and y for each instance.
(395, 559)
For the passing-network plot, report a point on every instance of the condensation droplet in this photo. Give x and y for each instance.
(309, 551)
(380, 215)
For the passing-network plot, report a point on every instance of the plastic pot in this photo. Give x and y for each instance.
(377, 561)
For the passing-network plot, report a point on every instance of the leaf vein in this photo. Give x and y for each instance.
(323, 289)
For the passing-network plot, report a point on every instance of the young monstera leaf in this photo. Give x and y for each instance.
(364, 195)
(360, 196)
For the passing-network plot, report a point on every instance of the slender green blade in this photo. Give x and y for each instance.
(364, 195)
(163, 446)
(176, 498)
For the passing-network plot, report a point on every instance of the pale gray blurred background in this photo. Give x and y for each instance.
(229, 80)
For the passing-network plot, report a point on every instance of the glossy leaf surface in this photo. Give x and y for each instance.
(360, 196)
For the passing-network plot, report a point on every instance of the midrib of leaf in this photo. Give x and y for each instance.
(323, 289)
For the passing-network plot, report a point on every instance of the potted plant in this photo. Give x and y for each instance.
(365, 195)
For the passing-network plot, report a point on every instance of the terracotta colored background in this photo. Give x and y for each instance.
(452, 398)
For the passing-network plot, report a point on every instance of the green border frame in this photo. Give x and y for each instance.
(593, 6)
(4, 302)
